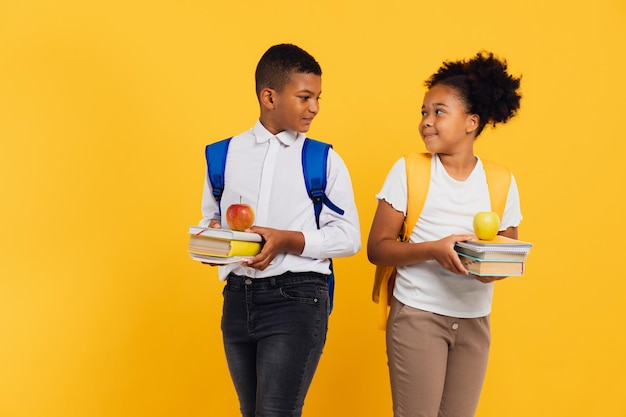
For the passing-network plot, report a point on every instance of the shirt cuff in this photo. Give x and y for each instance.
(313, 241)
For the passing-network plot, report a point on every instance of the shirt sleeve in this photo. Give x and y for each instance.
(339, 235)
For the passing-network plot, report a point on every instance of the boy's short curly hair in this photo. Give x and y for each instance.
(484, 85)
(279, 62)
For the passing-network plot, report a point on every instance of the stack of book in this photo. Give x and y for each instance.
(500, 257)
(221, 246)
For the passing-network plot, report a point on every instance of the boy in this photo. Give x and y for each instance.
(276, 304)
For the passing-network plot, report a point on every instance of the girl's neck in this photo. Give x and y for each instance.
(459, 166)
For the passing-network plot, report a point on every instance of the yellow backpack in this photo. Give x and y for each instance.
(418, 180)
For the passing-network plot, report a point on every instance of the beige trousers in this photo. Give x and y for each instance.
(437, 364)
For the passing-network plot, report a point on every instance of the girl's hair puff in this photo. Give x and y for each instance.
(485, 86)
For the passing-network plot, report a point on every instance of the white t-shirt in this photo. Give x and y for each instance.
(449, 209)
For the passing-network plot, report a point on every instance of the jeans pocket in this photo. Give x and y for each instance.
(304, 293)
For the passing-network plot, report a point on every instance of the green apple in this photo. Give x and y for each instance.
(486, 225)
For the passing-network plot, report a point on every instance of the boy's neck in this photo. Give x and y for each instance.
(269, 126)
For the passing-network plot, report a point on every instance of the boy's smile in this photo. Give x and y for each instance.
(296, 105)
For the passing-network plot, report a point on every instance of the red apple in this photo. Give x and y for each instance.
(239, 216)
(486, 225)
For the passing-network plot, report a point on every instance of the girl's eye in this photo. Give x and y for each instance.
(423, 113)
(439, 111)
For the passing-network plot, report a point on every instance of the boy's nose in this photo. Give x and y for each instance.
(314, 107)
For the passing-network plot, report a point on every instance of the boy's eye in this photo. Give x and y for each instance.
(304, 98)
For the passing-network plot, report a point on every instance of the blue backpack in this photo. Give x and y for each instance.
(314, 160)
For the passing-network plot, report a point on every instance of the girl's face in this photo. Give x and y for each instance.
(446, 126)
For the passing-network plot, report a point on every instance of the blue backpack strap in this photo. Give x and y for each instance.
(314, 164)
(215, 154)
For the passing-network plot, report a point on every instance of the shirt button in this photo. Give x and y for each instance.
(248, 281)
(455, 326)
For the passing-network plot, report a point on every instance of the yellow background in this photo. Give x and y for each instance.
(105, 108)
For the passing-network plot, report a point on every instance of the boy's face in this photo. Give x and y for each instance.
(296, 105)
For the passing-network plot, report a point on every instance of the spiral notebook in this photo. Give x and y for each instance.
(498, 244)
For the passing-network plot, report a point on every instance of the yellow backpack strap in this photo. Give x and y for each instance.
(418, 182)
(498, 182)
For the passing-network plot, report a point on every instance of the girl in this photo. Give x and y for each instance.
(438, 328)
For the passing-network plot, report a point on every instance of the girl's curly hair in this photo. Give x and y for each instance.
(485, 86)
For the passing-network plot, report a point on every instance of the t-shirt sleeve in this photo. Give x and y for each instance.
(512, 215)
(394, 188)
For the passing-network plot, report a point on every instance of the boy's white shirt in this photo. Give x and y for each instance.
(287, 205)
(449, 209)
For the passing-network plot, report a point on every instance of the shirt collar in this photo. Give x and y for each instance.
(286, 137)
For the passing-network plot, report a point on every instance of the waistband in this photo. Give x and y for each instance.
(278, 280)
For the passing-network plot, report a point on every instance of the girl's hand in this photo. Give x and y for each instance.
(486, 279)
(443, 252)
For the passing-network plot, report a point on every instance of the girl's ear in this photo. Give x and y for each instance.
(266, 97)
(473, 121)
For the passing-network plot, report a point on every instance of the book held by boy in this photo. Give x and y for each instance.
(222, 243)
(492, 268)
(218, 260)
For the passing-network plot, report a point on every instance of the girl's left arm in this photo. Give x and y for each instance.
(510, 232)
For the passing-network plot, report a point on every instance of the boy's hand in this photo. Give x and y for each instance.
(446, 256)
(275, 242)
(214, 224)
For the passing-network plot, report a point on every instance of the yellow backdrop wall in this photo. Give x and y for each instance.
(105, 107)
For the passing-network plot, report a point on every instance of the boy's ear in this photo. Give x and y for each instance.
(473, 121)
(266, 97)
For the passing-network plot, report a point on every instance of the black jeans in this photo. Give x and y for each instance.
(274, 331)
